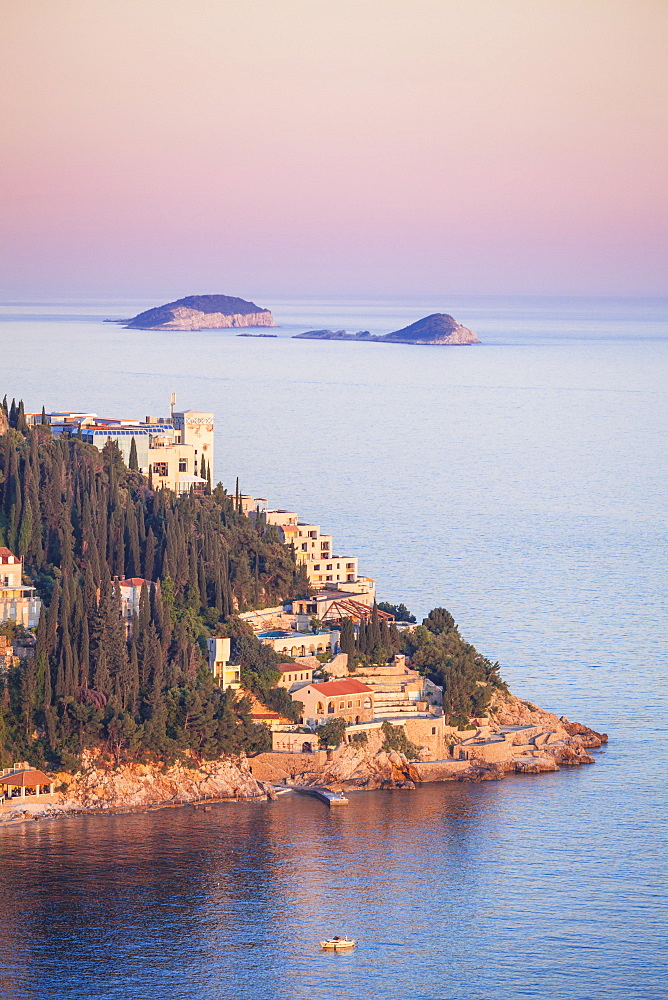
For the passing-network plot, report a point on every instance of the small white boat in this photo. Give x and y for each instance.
(338, 944)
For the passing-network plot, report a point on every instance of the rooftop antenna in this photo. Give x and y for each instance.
(172, 403)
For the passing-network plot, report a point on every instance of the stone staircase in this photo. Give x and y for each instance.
(389, 705)
(396, 690)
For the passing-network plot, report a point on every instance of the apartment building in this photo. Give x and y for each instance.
(313, 549)
(177, 451)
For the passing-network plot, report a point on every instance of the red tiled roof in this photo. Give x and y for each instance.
(132, 581)
(342, 687)
(5, 553)
(28, 779)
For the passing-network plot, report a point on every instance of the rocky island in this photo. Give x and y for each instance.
(202, 312)
(438, 329)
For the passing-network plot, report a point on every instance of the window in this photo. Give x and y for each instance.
(324, 545)
(350, 704)
(183, 465)
(329, 566)
(327, 578)
(330, 708)
(367, 702)
(320, 709)
(313, 534)
(350, 565)
(316, 568)
(304, 546)
(358, 702)
(342, 704)
(433, 730)
(160, 469)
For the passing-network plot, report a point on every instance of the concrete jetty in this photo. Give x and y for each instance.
(324, 794)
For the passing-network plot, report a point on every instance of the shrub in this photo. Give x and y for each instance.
(394, 738)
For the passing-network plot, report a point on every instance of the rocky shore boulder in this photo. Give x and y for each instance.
(588, 738)
(506, 709)
(481, 771)
(364, 765)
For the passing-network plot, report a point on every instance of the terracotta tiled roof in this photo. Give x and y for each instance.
(286, 668)
(132, 581)
(26, 778)
(342, 687)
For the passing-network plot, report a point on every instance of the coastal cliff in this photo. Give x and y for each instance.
(438, 329)
(202, 312)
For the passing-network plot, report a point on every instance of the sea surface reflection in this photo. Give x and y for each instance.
(452, 890)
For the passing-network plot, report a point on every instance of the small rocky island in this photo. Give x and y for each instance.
(202, 312)
(439, 329)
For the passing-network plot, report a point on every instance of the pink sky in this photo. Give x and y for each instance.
(157, 148)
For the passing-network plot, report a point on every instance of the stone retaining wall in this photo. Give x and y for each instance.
(274, 766)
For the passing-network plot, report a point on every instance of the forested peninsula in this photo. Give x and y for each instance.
(81, 521)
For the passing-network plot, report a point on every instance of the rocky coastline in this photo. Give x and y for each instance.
(534, 741)
(438, 329)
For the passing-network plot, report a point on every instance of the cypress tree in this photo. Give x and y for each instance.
(21, 422)
(375, 626)
(347, 639)
(133, 463)
(149, 556)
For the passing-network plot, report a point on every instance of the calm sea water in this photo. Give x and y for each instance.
(521, 484)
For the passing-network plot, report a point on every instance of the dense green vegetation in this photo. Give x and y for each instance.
(372, 643)
(468, 679)
(82, 520)
(399, 611)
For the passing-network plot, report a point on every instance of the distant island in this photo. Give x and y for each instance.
(201, 312)
(439, 329)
